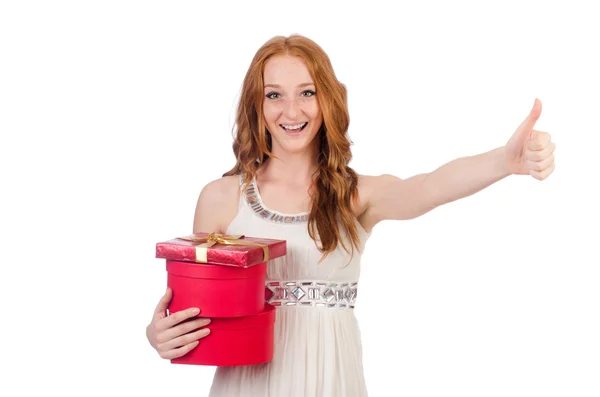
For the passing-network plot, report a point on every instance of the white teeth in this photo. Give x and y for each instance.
(293, 127)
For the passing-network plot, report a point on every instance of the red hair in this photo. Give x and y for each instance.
(336, 185)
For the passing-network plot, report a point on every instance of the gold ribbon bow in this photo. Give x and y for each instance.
(216, 238)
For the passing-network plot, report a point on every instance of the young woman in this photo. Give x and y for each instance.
(292, 182)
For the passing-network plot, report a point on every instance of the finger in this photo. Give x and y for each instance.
(175, 318)
(532, 117)
(538, 141)
(544, 174)
(181, 329)
(181, 351)
(540, 165)
(539, 155)
(184, 340)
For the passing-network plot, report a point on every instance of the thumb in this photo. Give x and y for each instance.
(163, 304)
(524, 130)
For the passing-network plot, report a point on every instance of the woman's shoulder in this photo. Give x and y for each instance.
(367, 184)
(222, 186)
(217, 204)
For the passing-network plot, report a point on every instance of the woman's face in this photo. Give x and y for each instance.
(291, 109)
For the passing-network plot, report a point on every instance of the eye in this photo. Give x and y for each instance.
(312, 93)
(270, 95)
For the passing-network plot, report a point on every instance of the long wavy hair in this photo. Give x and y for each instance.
(335, 187)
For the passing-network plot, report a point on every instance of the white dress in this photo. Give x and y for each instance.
(317, 348)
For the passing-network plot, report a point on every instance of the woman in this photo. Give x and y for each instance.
(292, 182)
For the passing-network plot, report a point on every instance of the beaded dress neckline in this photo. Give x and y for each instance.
(254, 199)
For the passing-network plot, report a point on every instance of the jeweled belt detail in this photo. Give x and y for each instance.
(311, 293)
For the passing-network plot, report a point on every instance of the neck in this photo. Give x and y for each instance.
(291, 167)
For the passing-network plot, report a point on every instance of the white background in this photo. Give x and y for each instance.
(115, 114)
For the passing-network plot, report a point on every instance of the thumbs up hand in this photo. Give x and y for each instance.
(528, 151)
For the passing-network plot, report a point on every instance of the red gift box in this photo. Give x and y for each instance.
(219, 249)
(222, 275)
(218, 291)
(235, 341)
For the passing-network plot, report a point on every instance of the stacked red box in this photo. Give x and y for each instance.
(225, 277)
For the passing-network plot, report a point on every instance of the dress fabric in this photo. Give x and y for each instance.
(317, 349)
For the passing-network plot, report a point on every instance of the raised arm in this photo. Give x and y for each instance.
(528, 152)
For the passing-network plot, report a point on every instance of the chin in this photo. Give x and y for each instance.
(294, 147)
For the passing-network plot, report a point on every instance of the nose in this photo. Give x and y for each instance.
(291, 109)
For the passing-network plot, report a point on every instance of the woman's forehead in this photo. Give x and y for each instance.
(285, 71)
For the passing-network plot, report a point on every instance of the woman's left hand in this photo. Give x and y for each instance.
(528, 151)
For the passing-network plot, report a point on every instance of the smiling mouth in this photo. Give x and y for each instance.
(294, 130)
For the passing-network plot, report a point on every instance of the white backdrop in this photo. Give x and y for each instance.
(115, 114)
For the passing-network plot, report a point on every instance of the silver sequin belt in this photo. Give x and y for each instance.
(326, 294)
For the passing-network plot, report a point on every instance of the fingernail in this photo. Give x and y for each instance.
(196, 310)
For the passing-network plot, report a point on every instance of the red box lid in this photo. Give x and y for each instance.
(263, 319)
(217, 249)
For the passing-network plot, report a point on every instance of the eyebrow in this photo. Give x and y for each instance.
(278, 86)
